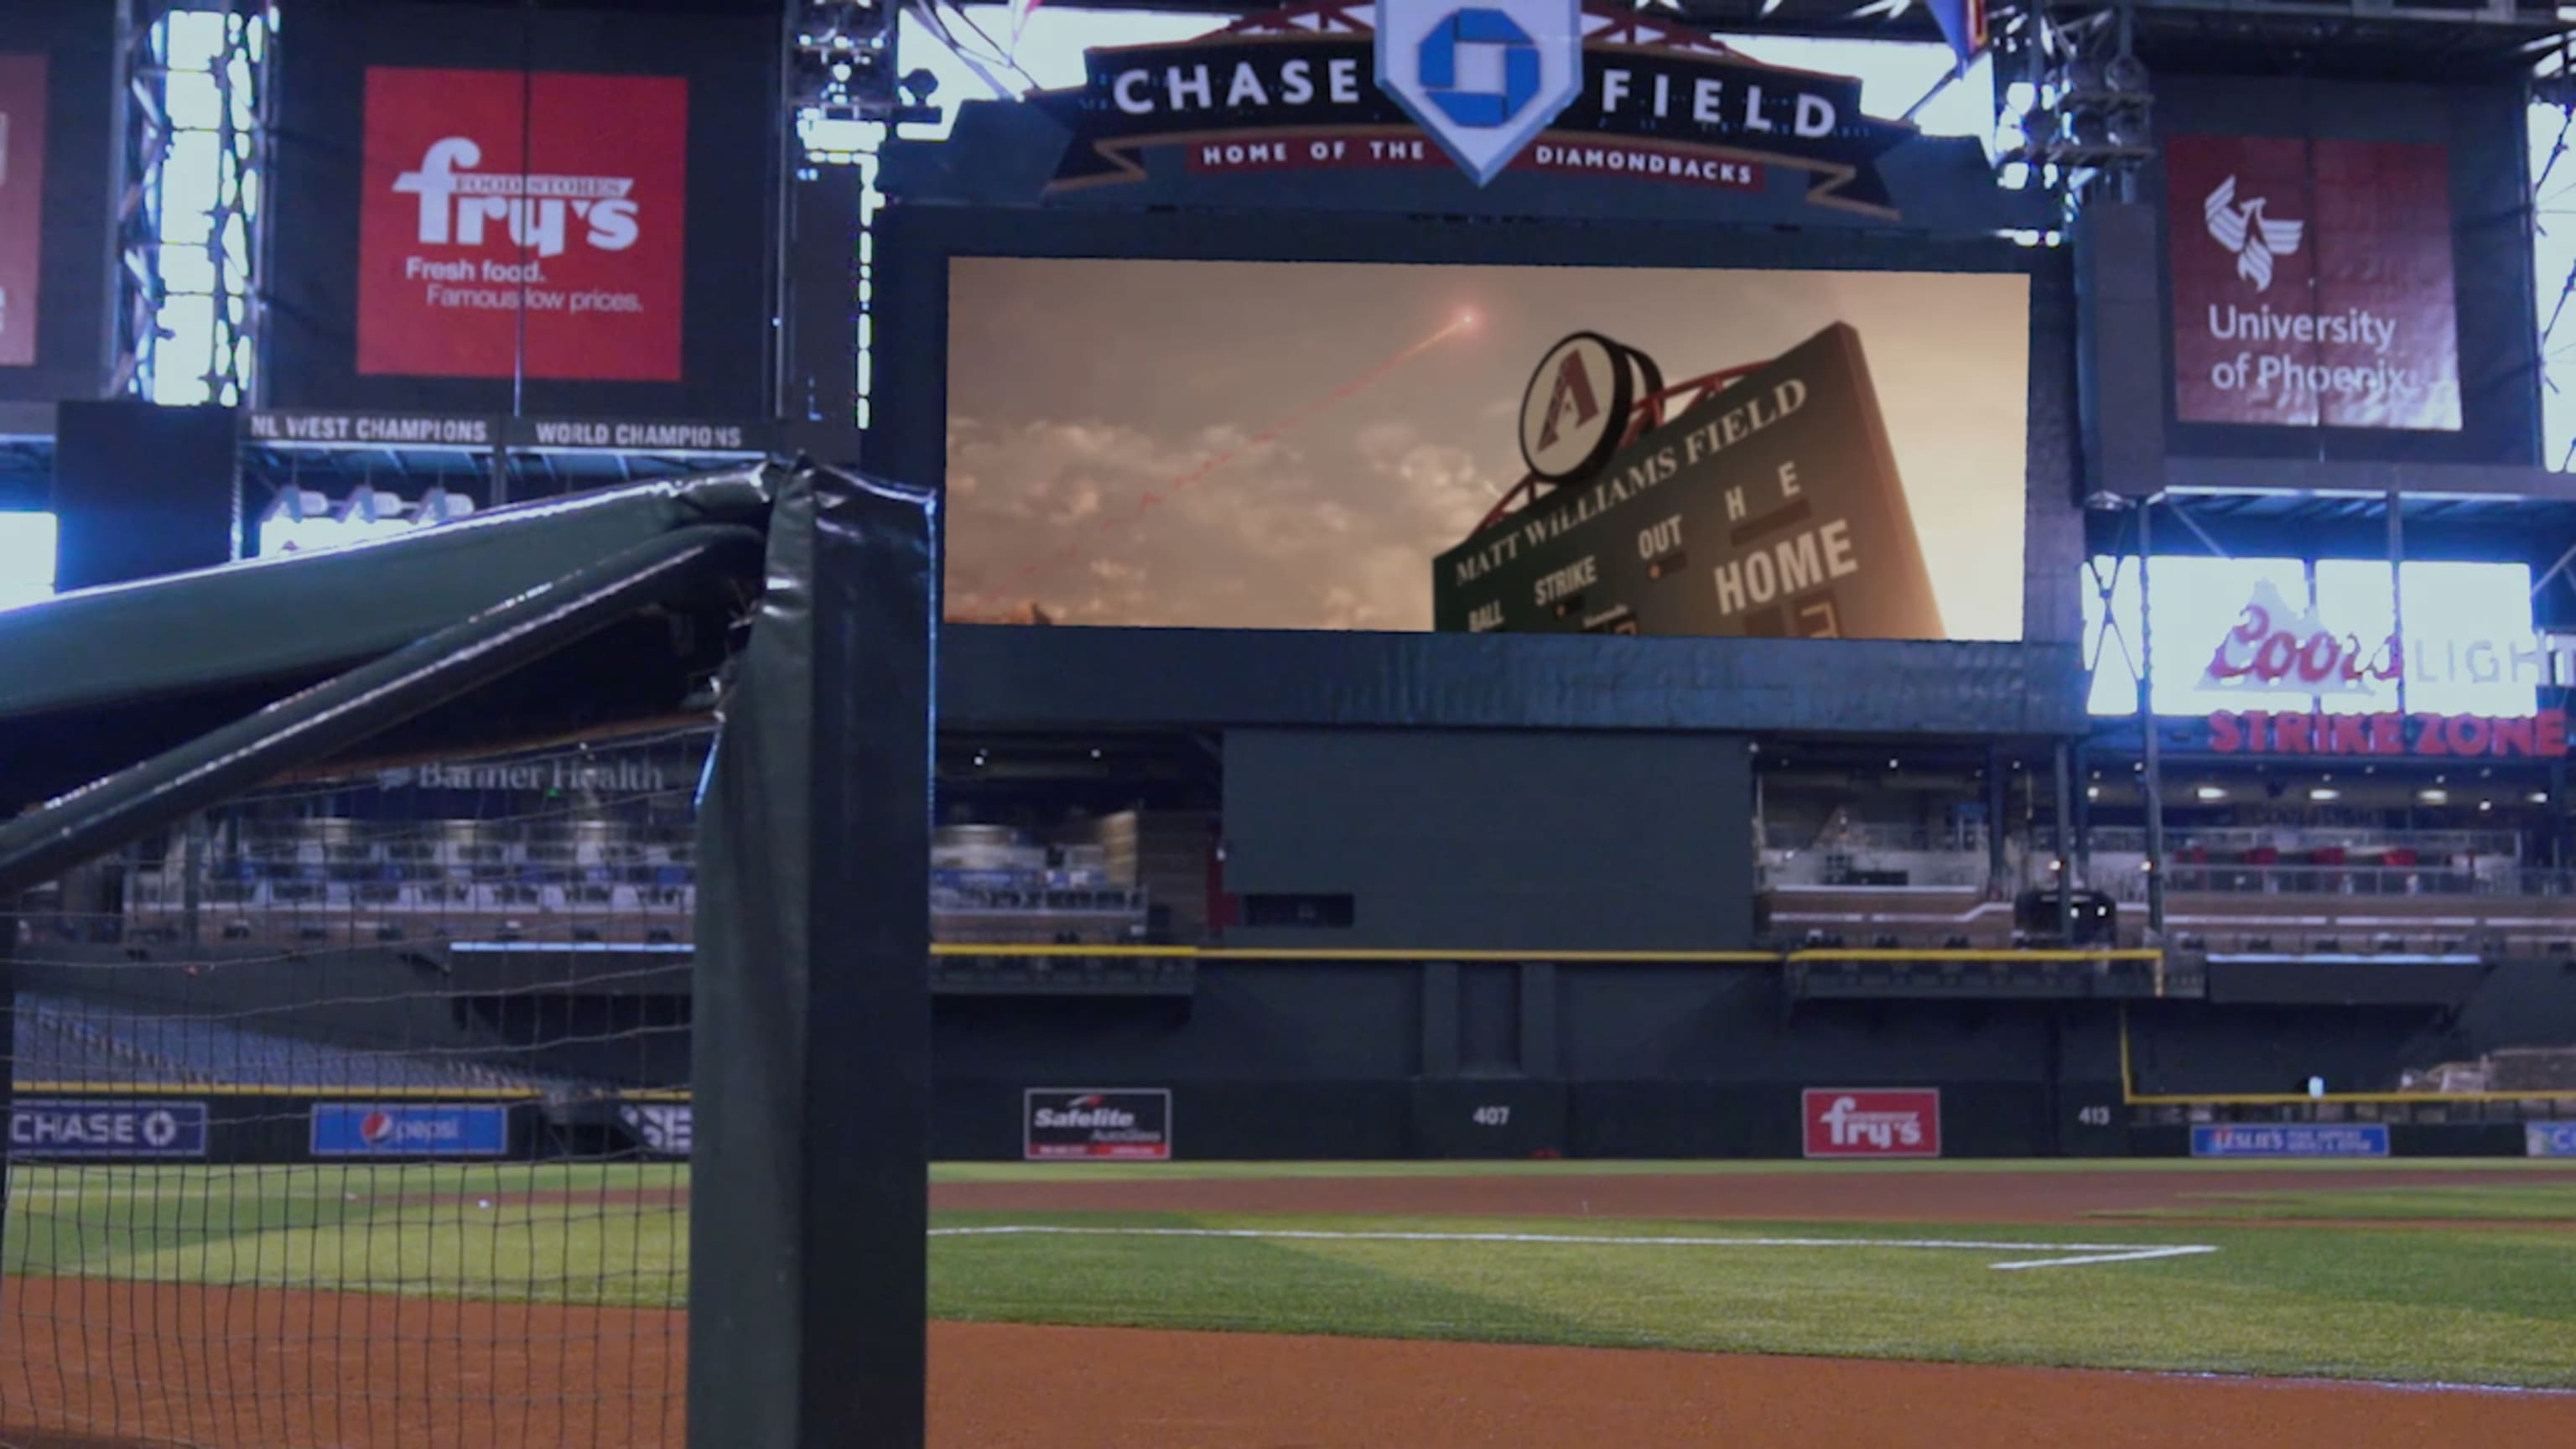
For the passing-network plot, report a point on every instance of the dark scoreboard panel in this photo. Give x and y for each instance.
(1771, 509)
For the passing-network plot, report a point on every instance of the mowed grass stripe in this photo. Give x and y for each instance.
(2342, 1305)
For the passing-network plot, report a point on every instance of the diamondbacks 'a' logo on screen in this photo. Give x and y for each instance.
(522, 225)
(2253, 238)
(1574, 412)
(1482, 79)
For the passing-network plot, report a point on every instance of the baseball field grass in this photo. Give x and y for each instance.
(2466, 1281)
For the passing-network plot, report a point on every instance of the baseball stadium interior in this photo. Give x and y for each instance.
(703, 700)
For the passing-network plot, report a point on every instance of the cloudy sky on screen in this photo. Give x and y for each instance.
(1077, 389)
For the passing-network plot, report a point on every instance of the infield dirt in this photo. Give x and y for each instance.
(306, 1371)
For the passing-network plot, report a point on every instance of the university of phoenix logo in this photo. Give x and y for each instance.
(1485, 78)
(2245, 231)
(456, 202)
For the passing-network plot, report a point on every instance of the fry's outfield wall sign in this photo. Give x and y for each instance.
(1309, 90)
(2312, 283)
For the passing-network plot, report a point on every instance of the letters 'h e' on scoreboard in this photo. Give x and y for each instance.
(1769, 508)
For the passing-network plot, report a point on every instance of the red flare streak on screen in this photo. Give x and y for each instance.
(1214, 462)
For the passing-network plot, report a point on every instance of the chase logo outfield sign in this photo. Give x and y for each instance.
(1483, 79)
(58, 1129)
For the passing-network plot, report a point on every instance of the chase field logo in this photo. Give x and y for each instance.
(1484, 79)
(1528, 86)
(2253, 238)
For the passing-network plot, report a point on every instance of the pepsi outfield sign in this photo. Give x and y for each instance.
(1482, 79)
(360, 1129)
(1480, 83)
(2290, 1139)
(1059, 1124)
(56, 1129)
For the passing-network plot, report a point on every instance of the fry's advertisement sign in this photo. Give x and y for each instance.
(508, 230)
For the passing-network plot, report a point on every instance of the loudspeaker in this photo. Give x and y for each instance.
(142, 490)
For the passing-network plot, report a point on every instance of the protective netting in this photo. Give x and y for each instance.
(355, 1114)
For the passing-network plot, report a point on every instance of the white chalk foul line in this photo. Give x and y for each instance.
(2067, 1254)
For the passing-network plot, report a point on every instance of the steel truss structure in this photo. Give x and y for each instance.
(195, 77)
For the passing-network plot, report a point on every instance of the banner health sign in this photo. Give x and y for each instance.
(2312, 282)
(48, 1129)
(1267, 95)
(351, 1129)
(2369, 1139)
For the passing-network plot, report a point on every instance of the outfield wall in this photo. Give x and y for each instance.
(1372, 1055)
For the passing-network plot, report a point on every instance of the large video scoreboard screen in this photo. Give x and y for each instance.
(1487, 448)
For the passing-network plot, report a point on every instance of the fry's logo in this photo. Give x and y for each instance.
(1901, 1123)
(457, 203)
(1846, 1125)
